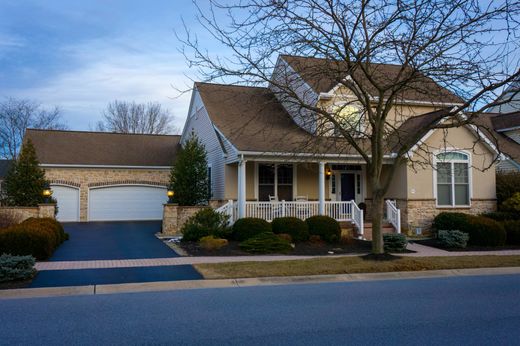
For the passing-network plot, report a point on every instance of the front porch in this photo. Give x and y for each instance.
(268, 190)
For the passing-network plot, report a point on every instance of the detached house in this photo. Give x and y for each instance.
(269, 158)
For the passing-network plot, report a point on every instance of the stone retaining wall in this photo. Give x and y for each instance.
(19, 214)
(175, 216)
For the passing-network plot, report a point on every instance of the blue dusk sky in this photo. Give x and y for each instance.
(80, 55)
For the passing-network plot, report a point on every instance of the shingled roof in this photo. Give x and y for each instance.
(507, 121)
(252, 119)
(103, 148)
(491, 124)
(323, 75)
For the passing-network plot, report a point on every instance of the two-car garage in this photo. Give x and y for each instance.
(112, 203)
(100, 176)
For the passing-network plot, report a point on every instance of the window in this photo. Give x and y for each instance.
(452, 179)
(333, 183)
(275, 180)
(349, 117)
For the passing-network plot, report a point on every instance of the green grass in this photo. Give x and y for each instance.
(348, 265)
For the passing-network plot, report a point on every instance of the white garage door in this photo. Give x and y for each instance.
(68, 202)
(127, 202)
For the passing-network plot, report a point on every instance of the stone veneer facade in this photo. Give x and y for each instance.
(85, 178)
(175, 216)
(19, 214)
(421, 212)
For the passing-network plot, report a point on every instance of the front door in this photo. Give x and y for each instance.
(348, 185)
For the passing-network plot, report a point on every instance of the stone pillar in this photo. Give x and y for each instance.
(321, 188)
(170, 218)
(241, 189)
(46, 210)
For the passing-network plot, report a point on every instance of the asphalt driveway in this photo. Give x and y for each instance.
(112, 240)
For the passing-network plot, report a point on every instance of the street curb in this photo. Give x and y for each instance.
(245, 282)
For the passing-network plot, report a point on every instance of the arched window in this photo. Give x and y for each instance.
(453, 183)
(350, 118)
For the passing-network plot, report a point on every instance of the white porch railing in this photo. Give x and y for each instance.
(340, 211)
(393, 215)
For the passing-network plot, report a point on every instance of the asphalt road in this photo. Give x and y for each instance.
(443, 311)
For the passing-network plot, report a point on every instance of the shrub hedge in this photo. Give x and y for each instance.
(512, 228)
(512, 204)
(325, 227)
(206, 222)
(502, 215)
(482, 231)
(394, 242)
(250, 227)
(36, 237)
(507, 185)
(16, 267)
(453, 239)
(296, 228)
(266, 243)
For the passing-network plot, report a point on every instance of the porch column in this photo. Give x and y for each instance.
(321, 188)
(241, 189)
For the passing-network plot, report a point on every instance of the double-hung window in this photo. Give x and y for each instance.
(453, 185)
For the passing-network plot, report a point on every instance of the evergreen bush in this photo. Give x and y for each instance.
(453, 239)
(394, 242)
(296, 228)
(325, 227)
(266, 243)
(14, 268)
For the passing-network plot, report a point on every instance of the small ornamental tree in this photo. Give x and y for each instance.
(25, 180)
(189, 174)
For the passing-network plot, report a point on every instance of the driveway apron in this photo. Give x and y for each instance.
(113, 241)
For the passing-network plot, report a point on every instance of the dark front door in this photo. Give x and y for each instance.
(348, 181)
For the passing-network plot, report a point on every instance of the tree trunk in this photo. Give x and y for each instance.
(377, 224)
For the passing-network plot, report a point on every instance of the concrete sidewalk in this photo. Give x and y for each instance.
(245, 282)
(421, 251)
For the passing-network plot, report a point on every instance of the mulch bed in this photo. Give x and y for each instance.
(435, 243)
(353, 246)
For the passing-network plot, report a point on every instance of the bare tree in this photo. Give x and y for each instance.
(131, 117)
(470, 47)
(16, 115)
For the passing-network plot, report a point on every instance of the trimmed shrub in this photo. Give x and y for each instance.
(250, 227)
(204, 223)
(507, 185)
(296, 228)
(502, 215)
(16, 267)
(211, 243)
(450, 221)
(285, 236)
(266, 243)
(453, 239)
(394, 242)
(36, 237)
(512, 228)
(484, 231)
(326, 227)
(512, 204)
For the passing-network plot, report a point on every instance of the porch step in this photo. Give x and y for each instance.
(367, 229)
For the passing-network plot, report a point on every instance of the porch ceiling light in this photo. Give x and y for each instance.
(170, 195)
(328, 173)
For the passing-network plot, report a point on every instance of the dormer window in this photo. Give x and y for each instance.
(349, 117)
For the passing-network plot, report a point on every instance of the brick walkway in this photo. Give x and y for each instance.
(421, 251)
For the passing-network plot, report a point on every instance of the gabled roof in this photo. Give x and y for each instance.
(506, 121)
(252, 119)
(323, 75)
(509, 101)
(504, 144)
(102, 148)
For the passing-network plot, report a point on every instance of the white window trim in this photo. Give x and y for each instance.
(470, 178)
(276, 164)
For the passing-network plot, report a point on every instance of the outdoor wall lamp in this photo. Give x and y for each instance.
(47, 193)
(328, 173)
(170, 195)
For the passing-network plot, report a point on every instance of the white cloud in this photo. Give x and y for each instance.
(120, 69)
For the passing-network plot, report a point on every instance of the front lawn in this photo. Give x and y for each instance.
(349, 265)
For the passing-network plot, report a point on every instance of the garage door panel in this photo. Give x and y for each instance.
(126, 203)
(68, 202)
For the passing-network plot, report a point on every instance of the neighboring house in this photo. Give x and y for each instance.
(4, 168)
(263, 149)
(99, 176)
(509, 101)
